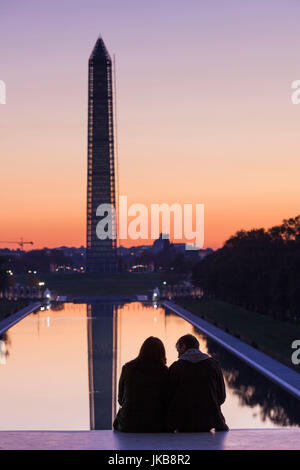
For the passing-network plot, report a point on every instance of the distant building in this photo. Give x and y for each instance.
(179, 247)
(100, 254)
(162, 243)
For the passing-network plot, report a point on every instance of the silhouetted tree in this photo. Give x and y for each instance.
(257, 269)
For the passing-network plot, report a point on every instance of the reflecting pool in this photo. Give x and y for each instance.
(59, 368)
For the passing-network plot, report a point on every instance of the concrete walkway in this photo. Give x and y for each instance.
(251, 439)
(274, 370)
(18, 316)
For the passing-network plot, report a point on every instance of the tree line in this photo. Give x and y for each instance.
(257, 269)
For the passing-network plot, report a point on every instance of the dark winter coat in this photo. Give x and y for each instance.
(142, 396)
(196, 392)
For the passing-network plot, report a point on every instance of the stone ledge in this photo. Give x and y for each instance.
(237, 439)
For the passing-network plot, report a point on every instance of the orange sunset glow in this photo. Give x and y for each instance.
(204, 113)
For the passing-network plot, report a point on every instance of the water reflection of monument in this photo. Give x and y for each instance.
(102, 358)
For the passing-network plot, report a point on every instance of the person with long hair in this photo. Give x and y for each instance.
(143, 390)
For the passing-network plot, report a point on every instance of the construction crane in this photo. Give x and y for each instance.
(21, 243)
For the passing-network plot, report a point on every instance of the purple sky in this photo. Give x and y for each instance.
(204, 110)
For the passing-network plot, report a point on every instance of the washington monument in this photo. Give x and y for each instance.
(101, 254)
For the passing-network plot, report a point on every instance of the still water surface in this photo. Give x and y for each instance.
(59, 369)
